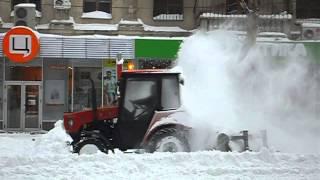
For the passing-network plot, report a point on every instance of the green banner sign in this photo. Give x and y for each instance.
(157, 48)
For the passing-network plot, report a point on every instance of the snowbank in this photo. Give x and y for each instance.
(55, 141)
(97, 15)
(25, 156)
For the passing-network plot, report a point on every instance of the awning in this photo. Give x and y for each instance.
(83, 47)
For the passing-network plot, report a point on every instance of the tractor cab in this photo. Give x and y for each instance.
(143, 93)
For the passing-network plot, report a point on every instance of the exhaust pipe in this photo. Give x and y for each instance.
(119, 66)
(93, 99)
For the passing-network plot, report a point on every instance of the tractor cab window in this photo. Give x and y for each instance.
(140, 99)
(170, 98)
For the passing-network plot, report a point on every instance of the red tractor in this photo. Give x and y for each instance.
(148, 117)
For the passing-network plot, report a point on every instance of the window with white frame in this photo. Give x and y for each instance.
(168, 9)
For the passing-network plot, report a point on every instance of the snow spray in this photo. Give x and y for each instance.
(254, 93)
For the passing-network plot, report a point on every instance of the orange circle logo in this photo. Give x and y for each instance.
(21, 44)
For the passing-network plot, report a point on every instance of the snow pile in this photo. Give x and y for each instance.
(131, 22)
(54, 162)
(54, 141)
(255, 93)
(38, 14)
(31, 5)
(310, 25)
(96, 27)
(66, 21)
(163, 28)
(97, 15)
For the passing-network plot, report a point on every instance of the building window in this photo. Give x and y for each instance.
(308, 9)
(170, 87)
(140, 98)
(234, 7)
(36, 2)
(97, 5)
(168, 10)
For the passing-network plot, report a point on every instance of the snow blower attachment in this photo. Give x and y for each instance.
(223, 141)
(244, 137)
(147, 116)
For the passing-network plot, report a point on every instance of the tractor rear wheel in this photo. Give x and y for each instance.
(89, 146)
(168, 140)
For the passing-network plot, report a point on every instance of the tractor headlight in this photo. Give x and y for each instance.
(70, 122)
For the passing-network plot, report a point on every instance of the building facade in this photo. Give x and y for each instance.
(167, 18)
(131, 17)
(84, 38)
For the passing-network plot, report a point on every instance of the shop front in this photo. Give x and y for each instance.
(35, 94)
(37, 85)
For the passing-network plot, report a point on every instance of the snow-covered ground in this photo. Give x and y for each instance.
(46, 156)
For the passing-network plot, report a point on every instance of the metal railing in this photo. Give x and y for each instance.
(169, 17)
(272, 16)
(238, 22)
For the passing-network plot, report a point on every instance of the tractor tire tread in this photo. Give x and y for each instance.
(165, 132)
(90, 140)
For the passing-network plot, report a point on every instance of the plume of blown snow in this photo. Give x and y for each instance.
(207, 91)
(253, 93)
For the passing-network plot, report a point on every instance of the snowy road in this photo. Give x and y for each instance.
(24, 156)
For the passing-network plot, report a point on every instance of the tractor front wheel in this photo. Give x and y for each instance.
(168, 140)
(89, 146)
